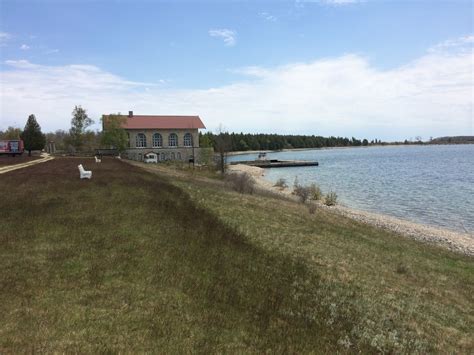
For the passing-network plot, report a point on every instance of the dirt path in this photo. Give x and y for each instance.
(8, 168)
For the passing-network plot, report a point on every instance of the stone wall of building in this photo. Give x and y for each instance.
(165, 152)
(201, 155)
(165, 135)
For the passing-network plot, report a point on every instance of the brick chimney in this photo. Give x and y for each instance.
(130, 114)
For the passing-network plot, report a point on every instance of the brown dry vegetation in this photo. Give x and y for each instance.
(129, 261)
(6, 160)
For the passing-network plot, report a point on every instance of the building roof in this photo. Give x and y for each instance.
(162, 122)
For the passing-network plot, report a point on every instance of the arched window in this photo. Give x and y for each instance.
(188, 140)
(140, 140)
(178, 156)
(172, 155)
(157, 140)
(173, 140)
(163, 158)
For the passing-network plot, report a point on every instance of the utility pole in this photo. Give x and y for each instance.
(192, 143)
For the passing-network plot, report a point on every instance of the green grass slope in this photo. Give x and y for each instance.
(132, 262)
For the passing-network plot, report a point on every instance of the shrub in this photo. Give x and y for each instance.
(330, 199)
(281, 183)
(315, 192)
(312, 208)
(296, 183)
(303, 192)
(241, 182)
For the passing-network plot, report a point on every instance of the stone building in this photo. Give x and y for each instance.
(170, 137)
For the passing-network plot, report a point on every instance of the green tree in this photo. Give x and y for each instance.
(32, 136)
(11, 133)
(113, 135)
(205, 140)
(79, 123)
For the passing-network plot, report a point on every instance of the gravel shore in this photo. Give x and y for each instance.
(455, 241)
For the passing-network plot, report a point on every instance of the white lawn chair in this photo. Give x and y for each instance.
(85, 174)
(97, 160)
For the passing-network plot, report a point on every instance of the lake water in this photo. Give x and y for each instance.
(431, 185)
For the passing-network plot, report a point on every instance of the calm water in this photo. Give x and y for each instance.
(426, 184)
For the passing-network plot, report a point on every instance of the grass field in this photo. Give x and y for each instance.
(133, 261)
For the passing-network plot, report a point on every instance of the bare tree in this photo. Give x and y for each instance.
(222, 146)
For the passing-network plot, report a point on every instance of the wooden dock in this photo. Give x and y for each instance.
(274, 163)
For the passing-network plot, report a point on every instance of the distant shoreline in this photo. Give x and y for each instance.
(243, 152)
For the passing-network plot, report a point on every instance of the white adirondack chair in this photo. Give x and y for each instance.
(97, 160)
(85, 174)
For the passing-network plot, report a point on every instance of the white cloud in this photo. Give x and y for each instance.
(463, 43)
(4, 37)
(268, 17)
(51, 51)
(346, 95)
(24, 47)
(227, 35)
(21, 64)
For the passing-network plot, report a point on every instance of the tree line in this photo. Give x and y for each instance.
(247, 141)
(77, 139)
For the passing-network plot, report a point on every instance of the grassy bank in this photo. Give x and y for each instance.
(131, 261)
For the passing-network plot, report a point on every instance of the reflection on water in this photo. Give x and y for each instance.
(427, 184)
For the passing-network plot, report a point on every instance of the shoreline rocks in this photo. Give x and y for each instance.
(454, 241)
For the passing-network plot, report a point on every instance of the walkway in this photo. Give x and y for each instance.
(8, 168)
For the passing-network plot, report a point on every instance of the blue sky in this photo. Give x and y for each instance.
(251, 66)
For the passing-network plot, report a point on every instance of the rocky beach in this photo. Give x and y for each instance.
(454, 241)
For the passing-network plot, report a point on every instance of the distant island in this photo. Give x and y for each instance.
(453, 140)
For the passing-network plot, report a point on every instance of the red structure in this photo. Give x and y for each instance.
(12, 147)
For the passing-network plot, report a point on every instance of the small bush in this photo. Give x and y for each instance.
(303, 192)
(330, 199)
(315, 192)
(312, 208)
(241, 182)
(281, 183)
(296, 183)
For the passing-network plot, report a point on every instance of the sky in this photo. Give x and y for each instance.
(391, 70)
